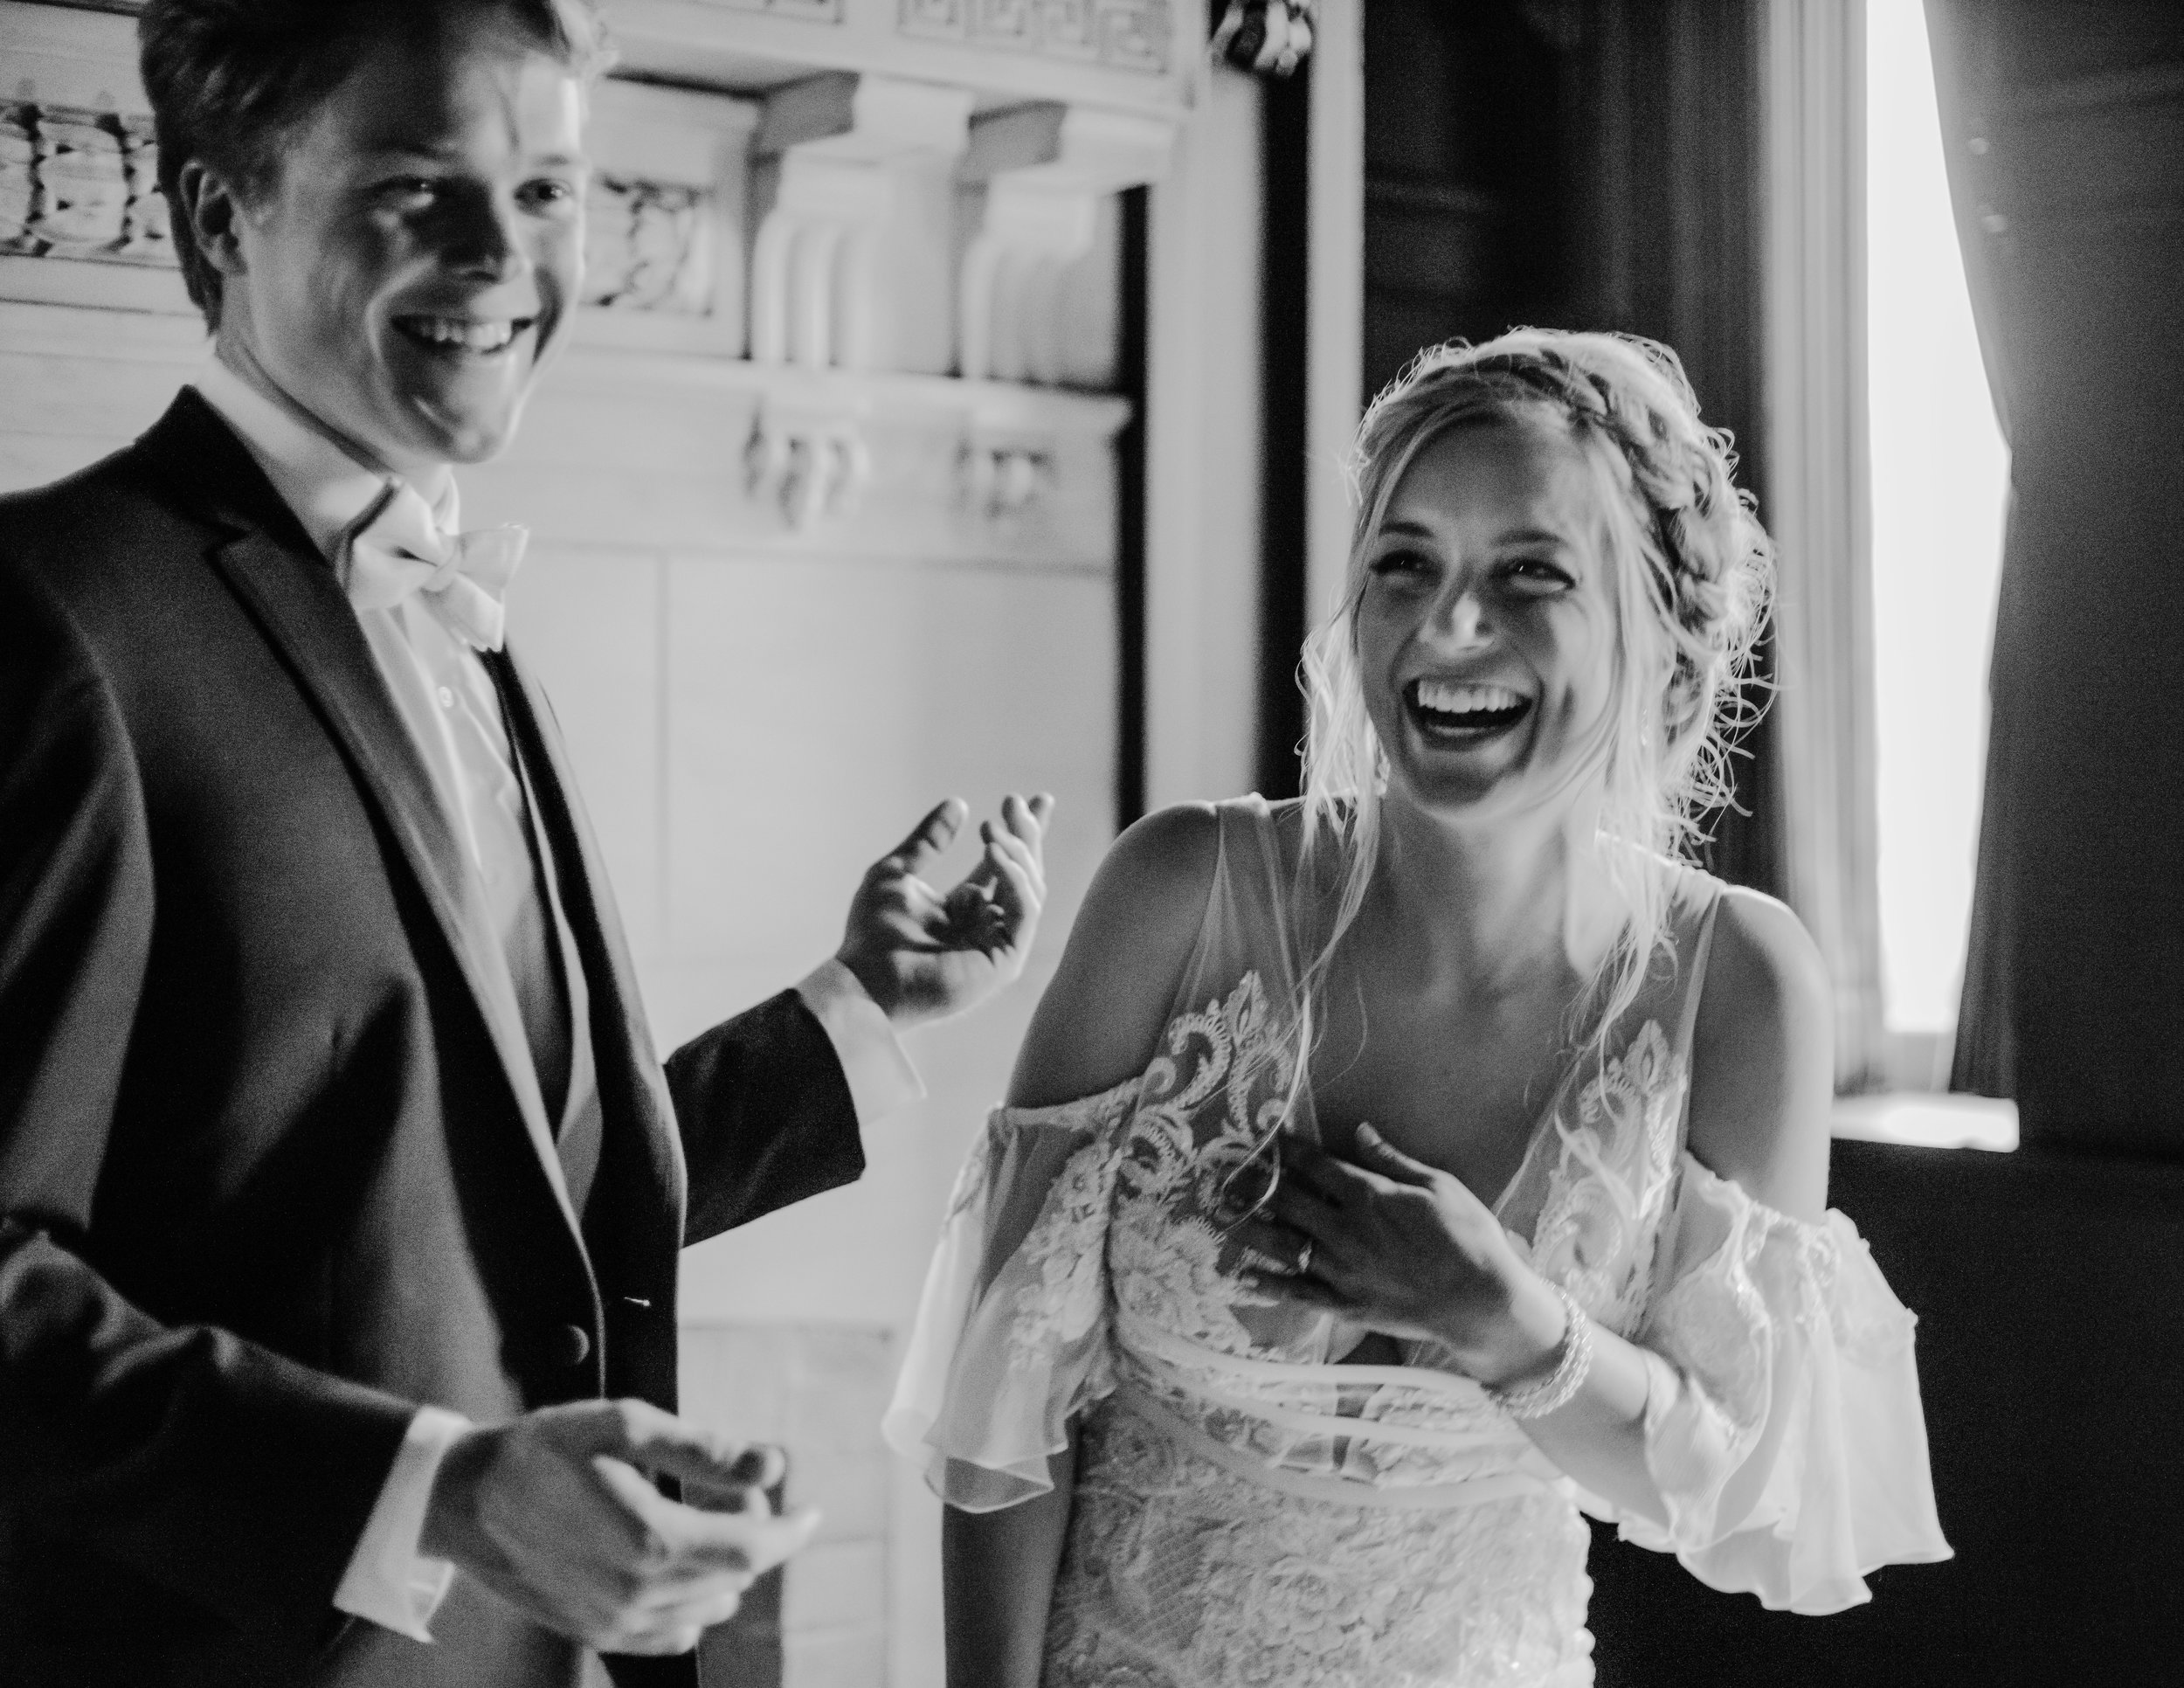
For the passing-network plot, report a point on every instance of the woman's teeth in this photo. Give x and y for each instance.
(459, 332)
(1471, 708)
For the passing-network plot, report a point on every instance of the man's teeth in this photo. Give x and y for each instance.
(1444, 699)
(456, 331)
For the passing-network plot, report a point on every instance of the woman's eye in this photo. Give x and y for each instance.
(1535, 575)
(1390, 564)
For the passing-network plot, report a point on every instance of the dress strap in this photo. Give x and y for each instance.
(1694, 984)
(1694, 973)
(1245, 926)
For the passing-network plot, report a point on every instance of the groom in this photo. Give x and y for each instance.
(340, 1189)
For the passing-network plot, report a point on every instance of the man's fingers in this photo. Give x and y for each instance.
(660, 1443)
(1026, 817)
(1009, 862)
(1021, 850)
(693, 1539)
(709, 1471)
(930, 836)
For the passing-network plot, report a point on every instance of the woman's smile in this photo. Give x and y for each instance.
(1461, 714)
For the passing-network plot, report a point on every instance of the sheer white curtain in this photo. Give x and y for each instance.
(1821, 513)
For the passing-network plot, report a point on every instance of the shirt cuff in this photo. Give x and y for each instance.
(882, 1079)
(389, 1580)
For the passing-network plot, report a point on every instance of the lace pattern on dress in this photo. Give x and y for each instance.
(1067, 1290)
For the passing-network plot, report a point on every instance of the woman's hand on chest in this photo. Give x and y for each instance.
(1404, 1248)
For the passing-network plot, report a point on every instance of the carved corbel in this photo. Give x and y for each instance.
(664, 249)
(808, 466)
(850, 269)
(1000, 478)
(76, 182)
(1047, 169)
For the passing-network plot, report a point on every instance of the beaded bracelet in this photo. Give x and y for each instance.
(1573, 1359)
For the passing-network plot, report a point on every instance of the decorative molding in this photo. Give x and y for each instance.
(804, 11)
(809, 465)
(850, 268)
(1047, 170)
(80, 184)
(1128, 35)
(999, 477)
(664, 236)
(645, 247)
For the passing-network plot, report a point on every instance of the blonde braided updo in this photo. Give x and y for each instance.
(1681, 539)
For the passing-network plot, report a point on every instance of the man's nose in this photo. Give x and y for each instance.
(485, 238)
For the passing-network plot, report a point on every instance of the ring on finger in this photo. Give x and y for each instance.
(1304, 1259)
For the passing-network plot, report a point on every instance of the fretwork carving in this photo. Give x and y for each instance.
(647, 247)
(79, 184)
(1130, 35)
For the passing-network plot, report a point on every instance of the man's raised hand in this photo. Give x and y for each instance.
(552, 1513)
(923, 954)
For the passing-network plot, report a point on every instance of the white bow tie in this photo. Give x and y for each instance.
(464, 575)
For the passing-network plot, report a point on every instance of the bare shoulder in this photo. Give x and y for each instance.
(1103, 1014)
(1762, 1055)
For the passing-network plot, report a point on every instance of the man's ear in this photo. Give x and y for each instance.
(213, 212)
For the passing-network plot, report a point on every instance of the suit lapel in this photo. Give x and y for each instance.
(608, 972)
(292, 594)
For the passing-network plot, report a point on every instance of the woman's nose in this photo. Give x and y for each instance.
(1461, 617)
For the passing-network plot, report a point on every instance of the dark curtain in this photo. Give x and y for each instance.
(2063, 126)
(1582, 164)
(1666, 145)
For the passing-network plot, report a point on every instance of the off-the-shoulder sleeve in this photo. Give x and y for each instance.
(1783, 1424)
(1012, 1330)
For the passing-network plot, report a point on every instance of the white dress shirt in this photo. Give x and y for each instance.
(448, 701)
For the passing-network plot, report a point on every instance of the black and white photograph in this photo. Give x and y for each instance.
(1091, 843)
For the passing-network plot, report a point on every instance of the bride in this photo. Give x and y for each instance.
(1391, 1174)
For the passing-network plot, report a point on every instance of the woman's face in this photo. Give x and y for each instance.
(1486, 627)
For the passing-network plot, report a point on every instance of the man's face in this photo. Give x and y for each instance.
(407, 272)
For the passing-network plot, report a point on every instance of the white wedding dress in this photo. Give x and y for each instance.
(1246, 1512)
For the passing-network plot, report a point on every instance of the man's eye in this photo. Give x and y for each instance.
(550, 193)
(410, 188)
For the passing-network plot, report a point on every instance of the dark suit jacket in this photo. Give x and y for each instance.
(272, 1170)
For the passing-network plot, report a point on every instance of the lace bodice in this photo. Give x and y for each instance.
(1247, 1511)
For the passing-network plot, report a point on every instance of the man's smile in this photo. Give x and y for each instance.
(463, 335)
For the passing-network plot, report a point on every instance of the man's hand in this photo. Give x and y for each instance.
(552, 1513)
(922, 956)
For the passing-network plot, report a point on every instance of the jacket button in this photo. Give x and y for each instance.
(571, 1346)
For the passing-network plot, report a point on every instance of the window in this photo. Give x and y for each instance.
(1940, 476)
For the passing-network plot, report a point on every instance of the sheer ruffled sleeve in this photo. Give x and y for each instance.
(1013, 1335)
(1783, 1424)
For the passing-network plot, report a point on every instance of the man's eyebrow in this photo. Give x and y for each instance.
(452, 152)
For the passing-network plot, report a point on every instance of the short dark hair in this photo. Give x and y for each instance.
(227, 78)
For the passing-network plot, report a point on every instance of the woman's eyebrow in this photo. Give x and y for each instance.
(1535, 536)
(1407, 529)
